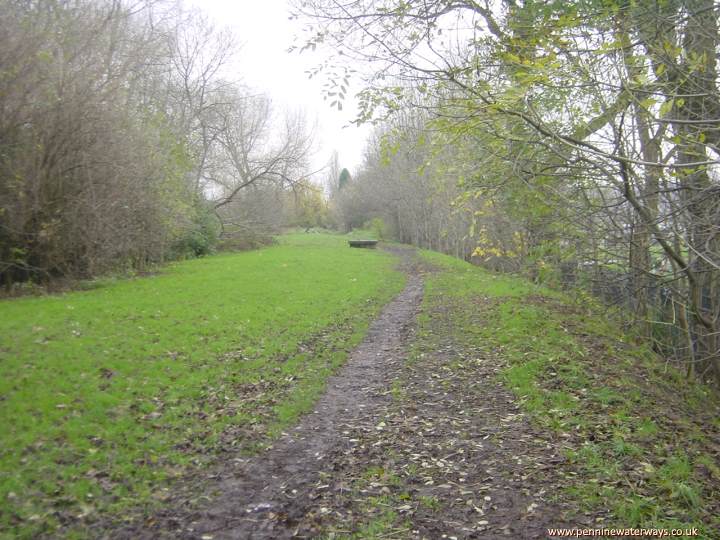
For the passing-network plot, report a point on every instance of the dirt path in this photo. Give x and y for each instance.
(450, 456)
(426, 447)
(266, 496)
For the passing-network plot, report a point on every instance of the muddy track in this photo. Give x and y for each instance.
(265, 496)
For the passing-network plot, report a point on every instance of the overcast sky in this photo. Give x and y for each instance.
(263, 29)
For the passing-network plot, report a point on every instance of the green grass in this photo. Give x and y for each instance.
(638, 436)
(105, 394)
(378, 516)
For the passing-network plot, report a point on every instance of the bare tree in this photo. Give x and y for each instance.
(120, 138)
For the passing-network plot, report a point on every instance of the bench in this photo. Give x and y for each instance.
(363, 243)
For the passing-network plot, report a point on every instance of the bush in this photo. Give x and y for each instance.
(201, 238)
(378, 227)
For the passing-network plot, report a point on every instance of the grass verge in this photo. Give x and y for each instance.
(107, 394)
(642, 443)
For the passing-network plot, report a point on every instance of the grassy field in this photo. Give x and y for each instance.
(640, 440)
(108, 393)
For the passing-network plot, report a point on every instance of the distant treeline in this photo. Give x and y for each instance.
(121, 144)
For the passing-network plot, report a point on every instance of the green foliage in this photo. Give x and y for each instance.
(344, 178)
(310, 207)
(525, 123)
(378, 227)
(201, 237)
(110, 393)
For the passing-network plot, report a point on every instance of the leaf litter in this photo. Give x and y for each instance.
(415, 437)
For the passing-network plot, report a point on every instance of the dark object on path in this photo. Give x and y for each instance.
(363, 243)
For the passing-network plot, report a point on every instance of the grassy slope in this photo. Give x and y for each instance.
(641, 442)
(105, 393)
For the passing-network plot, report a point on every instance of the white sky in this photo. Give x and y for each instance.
(263, 29)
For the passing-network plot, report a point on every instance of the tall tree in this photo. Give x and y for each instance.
(603, 117)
